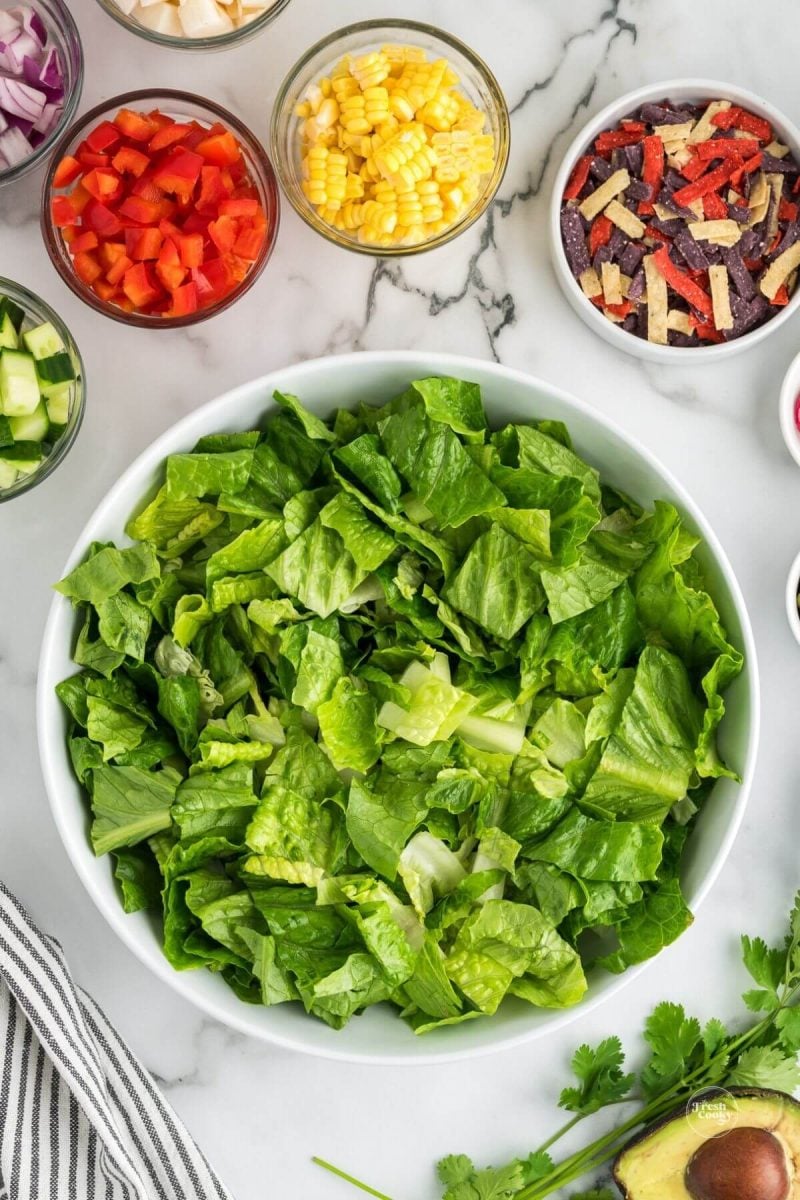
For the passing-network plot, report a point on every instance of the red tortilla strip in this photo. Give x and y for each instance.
(680, 282)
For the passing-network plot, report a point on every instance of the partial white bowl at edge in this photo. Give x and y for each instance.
(677, 90)
(790, 394)
(380, 1036)
(792, 589)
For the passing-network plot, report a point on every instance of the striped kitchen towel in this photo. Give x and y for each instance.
(80, 1118)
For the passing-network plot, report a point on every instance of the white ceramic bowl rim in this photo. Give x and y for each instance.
(790, 392)
(671, 89)
(311, 1036)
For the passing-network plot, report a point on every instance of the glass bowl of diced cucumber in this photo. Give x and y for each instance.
(41, 390)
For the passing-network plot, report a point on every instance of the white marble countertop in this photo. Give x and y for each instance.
(261, 1112)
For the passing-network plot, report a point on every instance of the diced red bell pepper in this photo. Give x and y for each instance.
(221, 149)
(69, 233)
(103, 183)
(196, 223)
(223, 233)
(137, 208)
(652, 170)
(213, 190)
(102, 220)
(141, 244)
(739, 118)
(599, 233)
(169, 268)
(190, 247)
(578, 177)
(249, 242)
(62, 212)
(87, 268)
(179, 172)
(140, 286)
(104, 137)
(110, 253)
(89, 158)
(66, 172)
(680, 282)
(218, 276)
(117, 270)
(167, 136)
(106, 291)
(88, 240)
(711, 182)
(184, 300)
(241, 208)
(135, 125)
(714, 207)
(129, 161)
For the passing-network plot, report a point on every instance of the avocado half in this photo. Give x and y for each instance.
(750, 1152)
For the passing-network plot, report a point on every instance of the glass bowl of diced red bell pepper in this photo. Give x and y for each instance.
(160, 208)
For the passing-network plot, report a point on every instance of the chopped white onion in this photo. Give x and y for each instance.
(194, 18)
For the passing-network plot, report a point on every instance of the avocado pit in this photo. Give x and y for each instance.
(743, 1164)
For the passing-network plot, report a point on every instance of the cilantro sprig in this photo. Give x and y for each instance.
(684, 1058)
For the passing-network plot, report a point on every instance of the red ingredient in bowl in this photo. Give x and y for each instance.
(160, 216)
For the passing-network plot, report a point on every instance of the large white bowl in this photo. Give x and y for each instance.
(678, 90)
(380, 1036)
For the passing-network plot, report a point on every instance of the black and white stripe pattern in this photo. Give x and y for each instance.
(79, 1115)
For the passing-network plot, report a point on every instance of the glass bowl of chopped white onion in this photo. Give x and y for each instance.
(194, 24)
(390, 137)
(41, 80)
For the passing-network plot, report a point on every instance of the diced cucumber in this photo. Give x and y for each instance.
(56, 368)
(43, 341)
(8, 474)
(33, 427)
(6, 436)
(22, 456)
(58, 402)
(19, 386)
(13, 311)
(8, 334)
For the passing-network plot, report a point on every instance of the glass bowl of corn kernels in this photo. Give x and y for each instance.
(390, 137)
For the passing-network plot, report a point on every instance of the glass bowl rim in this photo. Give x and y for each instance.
(222, 41)
(72, 33)
(268, 179)
(286, 173)
(18, 291)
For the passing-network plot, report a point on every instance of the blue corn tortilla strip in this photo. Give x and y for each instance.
(740, 276)
(574, 237)
(691, 251)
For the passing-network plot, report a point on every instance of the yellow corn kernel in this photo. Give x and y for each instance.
(354, 188)
(302, 110)
(370, 70)
(376, 105)
(441, 112)
(400, 106)
(326, 185)
(328, 113)
(352, 114)
(325, 86)
(351, 216)
(344, 86)
(405, 158)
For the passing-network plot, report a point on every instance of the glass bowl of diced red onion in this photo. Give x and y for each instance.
(194, 24)
(41, 79)
(675, 221)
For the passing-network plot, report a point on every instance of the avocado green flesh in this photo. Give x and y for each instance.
(653, 1165)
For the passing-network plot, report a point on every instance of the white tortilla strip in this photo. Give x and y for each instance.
(625, 282)
(776, 184)
(678, 321)
(678, 158)
(657, 302)
(776, 149)
(704, 129)
(778, 272)
(627, 221)
(713, 231)
(759, 200)
(600, 197)
(720, 296)
(696, 207)
(590, 283)
(674, 133)
(612, 284)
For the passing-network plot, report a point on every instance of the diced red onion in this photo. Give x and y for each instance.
(51, 114)
(14, 146)
(19, 100)
(32, 84)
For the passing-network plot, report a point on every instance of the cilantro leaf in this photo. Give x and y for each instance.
(492, 1183)
(766, 964)
(788, 1023)
(537, 1166)
(455, 1168)
(601, 1078)
(766, 1067)
(673, 1038)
